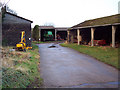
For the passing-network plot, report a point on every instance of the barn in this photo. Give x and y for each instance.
(12, 25)
(55, 33)
(100, 31)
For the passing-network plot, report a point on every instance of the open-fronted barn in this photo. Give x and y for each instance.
(100, 31)
(61, 33)
(50, 33)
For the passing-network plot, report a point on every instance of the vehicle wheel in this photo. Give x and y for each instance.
(24, 50)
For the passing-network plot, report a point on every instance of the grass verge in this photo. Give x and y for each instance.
(21, 69)
(37, 42)
(107, 55)
(40, 42)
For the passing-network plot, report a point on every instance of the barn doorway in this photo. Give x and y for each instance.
(61, 35)
(47, 34)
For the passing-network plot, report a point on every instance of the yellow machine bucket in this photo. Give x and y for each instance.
(19, 45)
(28, 47)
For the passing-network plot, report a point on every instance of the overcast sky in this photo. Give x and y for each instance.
(63, 13)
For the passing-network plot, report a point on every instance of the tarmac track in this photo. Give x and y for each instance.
(67, 68)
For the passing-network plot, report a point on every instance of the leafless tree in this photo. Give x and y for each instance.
(49, 24)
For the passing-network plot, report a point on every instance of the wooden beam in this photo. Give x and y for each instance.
(68, 36)
(92, 36)
(113, 36)
(78, 35)
(55, 35)
(40, 35)
(94, 26)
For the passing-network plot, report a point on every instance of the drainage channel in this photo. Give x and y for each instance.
(97, 85)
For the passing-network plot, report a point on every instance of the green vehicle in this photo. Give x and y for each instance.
(48, 36)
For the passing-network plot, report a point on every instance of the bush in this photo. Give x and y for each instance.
(35, 33)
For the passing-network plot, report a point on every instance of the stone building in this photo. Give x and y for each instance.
(12, 25)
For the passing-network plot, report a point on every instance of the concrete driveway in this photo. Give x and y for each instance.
(64, 67)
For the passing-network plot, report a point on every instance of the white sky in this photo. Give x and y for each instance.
(63, 13)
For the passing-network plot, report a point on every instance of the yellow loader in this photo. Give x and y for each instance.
(22, 44)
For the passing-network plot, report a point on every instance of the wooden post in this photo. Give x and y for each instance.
(78, 35)
(92, 36)
(55, 35)
(40, 35)
(72, 38)
(113, 36)
(0, 30)
(68, 36)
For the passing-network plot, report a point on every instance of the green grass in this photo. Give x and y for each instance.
(39, 42)
(107, 55)
(23, 69)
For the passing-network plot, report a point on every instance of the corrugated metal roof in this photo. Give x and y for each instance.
(61, 28)
(46, 27)
(56, 28)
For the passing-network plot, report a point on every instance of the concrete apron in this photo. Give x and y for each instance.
(65, 67)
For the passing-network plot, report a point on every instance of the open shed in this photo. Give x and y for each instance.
(44, 30)
(100, 31)
(57, 33)
(62, 32)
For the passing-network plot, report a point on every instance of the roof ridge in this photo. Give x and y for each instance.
(102, 17)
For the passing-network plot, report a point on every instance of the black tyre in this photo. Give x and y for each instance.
(24, 50)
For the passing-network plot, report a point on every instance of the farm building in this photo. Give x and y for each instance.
(12, 25)
(50, 33)
(100, 31)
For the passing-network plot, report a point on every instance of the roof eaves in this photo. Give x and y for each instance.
(19, 17)
(94, 26)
